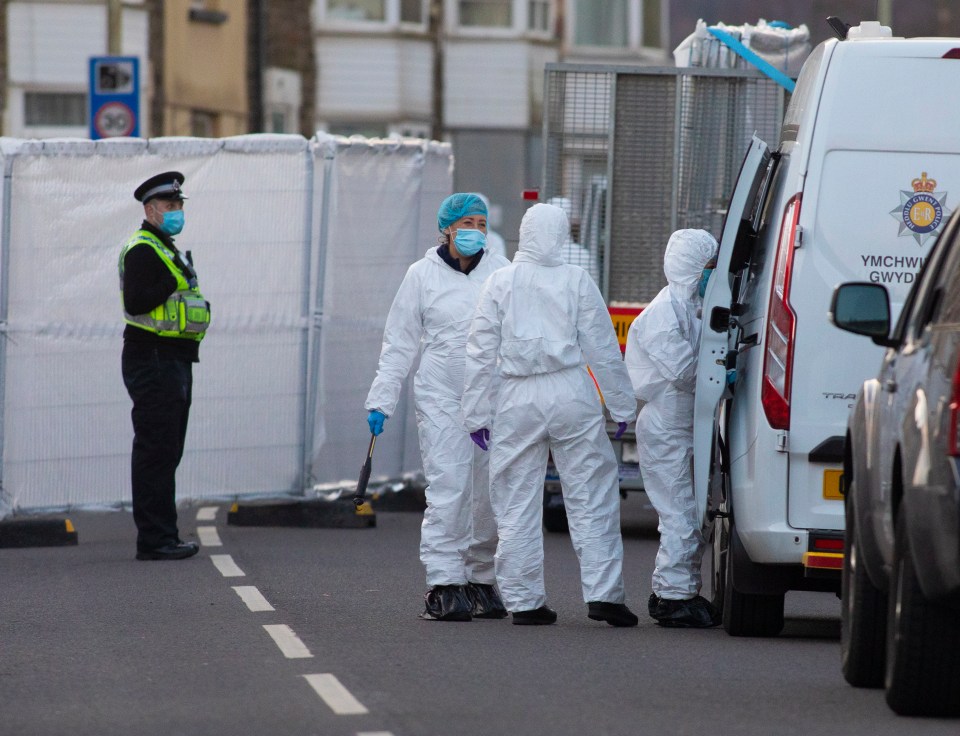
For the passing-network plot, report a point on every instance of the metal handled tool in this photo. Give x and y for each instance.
(359, 497)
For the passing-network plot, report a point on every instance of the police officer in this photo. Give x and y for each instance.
(166, 319)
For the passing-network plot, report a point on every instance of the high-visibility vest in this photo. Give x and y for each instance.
(185, 313)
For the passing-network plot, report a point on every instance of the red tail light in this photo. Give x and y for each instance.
(781, 326)
(952, 54)
(953, 436)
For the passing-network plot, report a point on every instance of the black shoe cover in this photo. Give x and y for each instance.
(542, 616)
(447, 603)
(615, 614)
(486, 601)
(696, 613)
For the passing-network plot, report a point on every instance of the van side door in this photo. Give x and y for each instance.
(719, 333)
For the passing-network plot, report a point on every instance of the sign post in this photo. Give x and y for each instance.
(114, 96)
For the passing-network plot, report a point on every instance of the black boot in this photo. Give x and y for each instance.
(447, 603)
(615, 614)
(486, 601)
(542, 616)
(695, 613)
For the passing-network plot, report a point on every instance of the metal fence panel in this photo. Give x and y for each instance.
(641, 199)
(634, 153)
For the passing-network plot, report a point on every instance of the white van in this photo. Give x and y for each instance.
(867, 170)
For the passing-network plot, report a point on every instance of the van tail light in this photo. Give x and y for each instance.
(781, 326)
(952, 54)
(953, 433)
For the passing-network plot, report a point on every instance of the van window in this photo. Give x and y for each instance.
(802, 96)
(770, 218)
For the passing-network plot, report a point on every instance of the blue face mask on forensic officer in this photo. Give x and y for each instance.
(469, 242)
(172, 222)
(704, 278)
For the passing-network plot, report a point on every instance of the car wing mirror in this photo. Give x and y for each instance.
(863, 309)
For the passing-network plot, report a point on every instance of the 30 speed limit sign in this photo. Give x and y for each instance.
(114, 119)
(114, 97)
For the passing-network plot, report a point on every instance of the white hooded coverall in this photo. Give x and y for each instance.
(538, 323)
(662, 349)
(430, 316)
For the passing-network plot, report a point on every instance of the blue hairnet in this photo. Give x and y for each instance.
(459, 205)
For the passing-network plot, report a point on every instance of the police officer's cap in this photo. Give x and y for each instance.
(162, 186)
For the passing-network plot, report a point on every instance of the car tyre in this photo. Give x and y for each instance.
(746, 614)
(743, 614)
(719, 550)
(923, 643)
(863, 620)
(554, 513)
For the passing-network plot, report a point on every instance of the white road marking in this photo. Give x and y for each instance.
(227, 567)
(288, 641)
(253, 598)
(335, 695)
(207, 513)
(374, 733)
(208, 536)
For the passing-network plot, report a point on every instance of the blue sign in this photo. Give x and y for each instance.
(114, 96)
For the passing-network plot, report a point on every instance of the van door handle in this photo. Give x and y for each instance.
(890, 386)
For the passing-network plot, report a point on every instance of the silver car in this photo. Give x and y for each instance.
(901, 575)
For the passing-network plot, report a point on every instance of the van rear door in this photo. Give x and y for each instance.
(719, 333)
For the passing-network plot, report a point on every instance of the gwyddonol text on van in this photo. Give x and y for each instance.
(909, 267)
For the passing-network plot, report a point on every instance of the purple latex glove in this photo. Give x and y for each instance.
(481, 437)
(621, 428)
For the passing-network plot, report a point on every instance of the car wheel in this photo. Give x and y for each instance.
(554, 513)
(863, 619)
(719, 549)
(719, 502)
(743, 614)
(923, 643)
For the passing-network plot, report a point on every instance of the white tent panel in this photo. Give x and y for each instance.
(299, 247)
(65, 405)
(376, 191)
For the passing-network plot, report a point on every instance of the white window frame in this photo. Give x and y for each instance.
(424, 15)
(634, 30)
(391, 21)
(331, 21)
(518, 11)
(15, 118)
(546, 33)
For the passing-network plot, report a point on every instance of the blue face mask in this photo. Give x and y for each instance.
(704, 278)
(469, 242)
(172, 222)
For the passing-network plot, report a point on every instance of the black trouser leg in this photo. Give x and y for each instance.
(161, 390)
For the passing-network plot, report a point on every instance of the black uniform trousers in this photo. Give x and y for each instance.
(161, 388)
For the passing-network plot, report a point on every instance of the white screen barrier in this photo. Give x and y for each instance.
(299, 246)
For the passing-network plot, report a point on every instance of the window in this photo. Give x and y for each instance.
(538, 15)
(486, 13)
(357, 10)
(803, 95)
(601, 23)
(55, 108)
(203, 124)
(651, 24)
(411, 11)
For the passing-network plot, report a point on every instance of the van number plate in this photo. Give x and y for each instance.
(832, 483)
